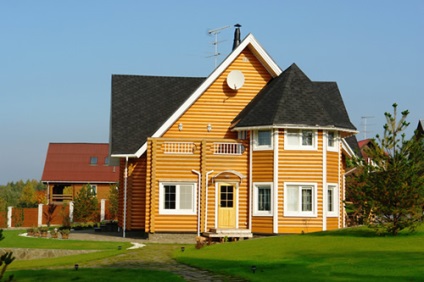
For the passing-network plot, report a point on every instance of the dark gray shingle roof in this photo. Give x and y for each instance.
(293, 99)
(141, 104)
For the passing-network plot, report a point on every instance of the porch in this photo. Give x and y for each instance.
(223, 234)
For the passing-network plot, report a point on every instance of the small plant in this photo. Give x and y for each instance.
(7, 259)
(30, 231)
(49, 214)
(65, 233)
(54, 233)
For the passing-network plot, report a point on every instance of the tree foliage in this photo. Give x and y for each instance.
(85, 205)
(388, 191)
(11, 193)
(113, 201)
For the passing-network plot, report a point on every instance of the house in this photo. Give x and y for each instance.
(70, 166)
(248, 149)
(420, 128)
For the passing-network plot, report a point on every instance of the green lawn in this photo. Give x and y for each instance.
(344, 255)
(354, 254)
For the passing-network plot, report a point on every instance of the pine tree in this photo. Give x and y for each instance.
(85, 205)
(389, 190)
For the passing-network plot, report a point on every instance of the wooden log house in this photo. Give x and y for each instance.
(248, 149)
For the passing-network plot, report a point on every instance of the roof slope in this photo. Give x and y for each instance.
(293, 100)
(141, 104)
(70, 162)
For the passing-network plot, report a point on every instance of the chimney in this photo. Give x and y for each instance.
(236, 36)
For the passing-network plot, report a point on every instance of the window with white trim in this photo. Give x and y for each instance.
(332, 200)
(262, 199)
(262, 139)
(300, 199)
(177, 198)
(332, 141)
(305, 139)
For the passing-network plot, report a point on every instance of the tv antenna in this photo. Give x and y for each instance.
(364, 124)
(215, 33)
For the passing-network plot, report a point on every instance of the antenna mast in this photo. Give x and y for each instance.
(215, 33)
(364, 125)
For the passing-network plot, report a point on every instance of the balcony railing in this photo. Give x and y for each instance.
(228, 148)
(179, 148)
(61, 197)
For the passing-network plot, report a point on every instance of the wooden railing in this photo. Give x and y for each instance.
(228, 148)
(179, 147)
(61, 197)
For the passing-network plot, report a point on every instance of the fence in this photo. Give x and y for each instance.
(44, 214)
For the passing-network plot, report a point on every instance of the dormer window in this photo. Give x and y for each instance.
(304, 139)
(93, 160)
(262, 139)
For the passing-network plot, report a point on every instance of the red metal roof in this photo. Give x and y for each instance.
(70, 162)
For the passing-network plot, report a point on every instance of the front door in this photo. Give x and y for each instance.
(227, 205)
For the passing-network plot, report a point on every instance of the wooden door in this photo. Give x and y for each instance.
(227, 205)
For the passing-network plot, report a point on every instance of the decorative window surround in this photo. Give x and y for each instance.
(262, 140)
(332, 200)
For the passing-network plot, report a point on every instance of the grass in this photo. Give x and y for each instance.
(354, 254)
(94, 274)
(44, 269)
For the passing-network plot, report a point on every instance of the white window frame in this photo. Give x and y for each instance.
(256, 145)
(256, 187)
(177, 210)
(297, 136)
(335, 147)
(335, 201)
(299, 212)
(93, 190)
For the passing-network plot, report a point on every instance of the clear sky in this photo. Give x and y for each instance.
(57, 58)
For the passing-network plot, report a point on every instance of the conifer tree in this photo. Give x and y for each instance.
(389, 190)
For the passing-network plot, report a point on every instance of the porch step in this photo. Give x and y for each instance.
(230, 233)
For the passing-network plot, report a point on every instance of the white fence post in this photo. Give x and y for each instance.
(40, 214)
(71, 211)
(9, 216)
(102, 209)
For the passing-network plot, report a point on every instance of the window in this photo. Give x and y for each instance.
(107, 161)
(177, 198)
(262, 199)
(300, 199)
(300, 140)
(332, 200)
(93, 190)
(332, 141)
(242, 135)
(93, 160)
(262, 140)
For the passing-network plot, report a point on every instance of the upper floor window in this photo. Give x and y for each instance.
(300, 139)
(262, 199)
(262, 139)
(93, 160)
(332, 141)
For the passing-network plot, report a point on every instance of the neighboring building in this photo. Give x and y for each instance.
(69, 166)
(249, 148)
(420, 128)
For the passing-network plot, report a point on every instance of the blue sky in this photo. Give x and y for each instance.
(57, 58)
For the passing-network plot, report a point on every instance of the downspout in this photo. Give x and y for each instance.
(250, 180)
(125, 196)
(275, 181)
(324, 180)
(198, 199)
(206, 199)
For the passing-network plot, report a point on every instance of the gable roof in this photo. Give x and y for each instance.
(132, 104)
(141, 104)
(70, 163)
(292, 100)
